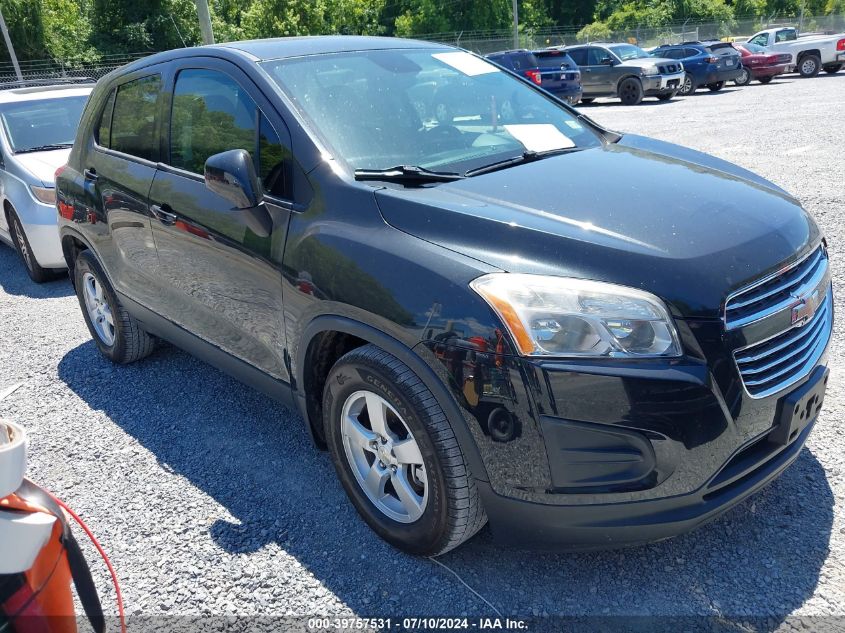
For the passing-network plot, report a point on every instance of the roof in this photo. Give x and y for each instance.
(279, 47)
(34, 93)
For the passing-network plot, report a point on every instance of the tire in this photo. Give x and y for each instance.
(716, 87)
(833, 69)
(38, 274)
(744, 79)
(667, 96)
(631, 91)
(765, 80)
(587, 99)
(687, 86)
(127, 341)
(809, 65)
(445, 509)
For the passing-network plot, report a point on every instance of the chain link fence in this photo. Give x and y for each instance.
(46, 70)
(496, 40)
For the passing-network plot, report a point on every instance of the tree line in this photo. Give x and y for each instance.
(87, 30)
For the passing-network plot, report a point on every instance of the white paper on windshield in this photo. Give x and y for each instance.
(467, 64)
(539, 137)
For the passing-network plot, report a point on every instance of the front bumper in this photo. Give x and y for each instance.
(659, 84)
(622, 524)
(40, 224)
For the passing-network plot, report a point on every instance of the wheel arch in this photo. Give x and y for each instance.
(327, 337)
(72, 244)
(810, 51)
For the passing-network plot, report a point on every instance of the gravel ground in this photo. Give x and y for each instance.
(211, 500)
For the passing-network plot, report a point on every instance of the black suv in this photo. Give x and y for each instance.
(589, 339)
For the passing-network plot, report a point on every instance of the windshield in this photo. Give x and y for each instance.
(442, 110)
(628, 51)
(42, 123)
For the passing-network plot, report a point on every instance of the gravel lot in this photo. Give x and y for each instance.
(211, 500)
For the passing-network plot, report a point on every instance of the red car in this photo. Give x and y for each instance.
(760, 64)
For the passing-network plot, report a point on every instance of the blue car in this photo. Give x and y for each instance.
(552, 69)
(710, 64)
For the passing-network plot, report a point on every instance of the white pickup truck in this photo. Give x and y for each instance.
(810, 54)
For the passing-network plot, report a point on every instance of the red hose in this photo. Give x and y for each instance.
(100, 549)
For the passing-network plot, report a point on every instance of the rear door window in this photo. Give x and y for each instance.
(133, 126)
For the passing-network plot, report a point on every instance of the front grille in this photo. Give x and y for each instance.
(775, 293)
(779, 361)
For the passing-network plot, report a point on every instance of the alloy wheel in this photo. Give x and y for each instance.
(384, 457)
(808, 66)
(687, 87)
(98, 308)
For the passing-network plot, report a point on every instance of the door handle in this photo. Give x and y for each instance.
(90, 174)
(163, 214)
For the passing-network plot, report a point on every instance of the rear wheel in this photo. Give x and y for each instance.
(688, 86)
(396, 454)
(38, 274)
(631, 91)
(833, 69)
(118, 335)
(809, 65)
(716, 87)
(765, 80)
(744, 77)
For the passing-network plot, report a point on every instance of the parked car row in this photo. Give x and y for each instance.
(584, 72)
(408, 243)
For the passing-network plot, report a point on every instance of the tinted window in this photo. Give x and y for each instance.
(211, 113)
(554, 59)
(579, 55)
(596, 56)
(522, 61)
(104, 128)
(691, 52)
(133, 121)
(274, 161)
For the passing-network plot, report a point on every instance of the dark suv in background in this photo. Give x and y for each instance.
(469, 324)
(711, 64)
(625, 71)
(555, 72)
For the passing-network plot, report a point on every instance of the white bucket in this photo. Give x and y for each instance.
(12, 457)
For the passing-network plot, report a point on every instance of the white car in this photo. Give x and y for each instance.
(37, 126)
(810, 53)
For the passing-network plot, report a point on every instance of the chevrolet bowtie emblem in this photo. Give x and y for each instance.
(805, 308)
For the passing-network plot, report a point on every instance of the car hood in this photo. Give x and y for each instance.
(648, 62)
(688, 227)
(43, 165)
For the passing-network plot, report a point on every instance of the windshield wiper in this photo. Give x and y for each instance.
(408, 174)
(525, 157)
(43, 148)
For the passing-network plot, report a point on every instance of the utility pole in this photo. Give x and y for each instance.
(205, 22)
(515, 25)
(10, 47)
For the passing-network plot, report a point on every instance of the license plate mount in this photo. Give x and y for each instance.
(800, 407)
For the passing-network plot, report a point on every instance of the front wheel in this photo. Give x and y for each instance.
(744, 77)
(117, 334)
(716, 87)
(687, 85)
(396, 455)
(765, 80)
(631, 91)
(809, 66)
(833, 69)
(38, 274)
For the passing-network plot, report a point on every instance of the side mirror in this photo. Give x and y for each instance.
(232, 175)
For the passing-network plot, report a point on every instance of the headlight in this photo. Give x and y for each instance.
(650, 70)
(47, 195)
(559, 316)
